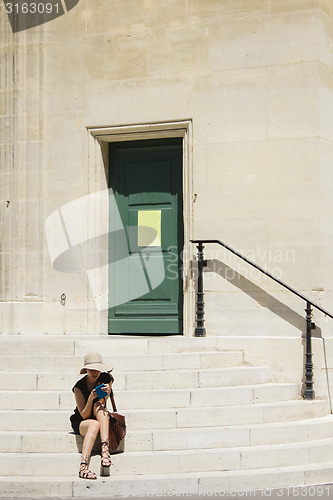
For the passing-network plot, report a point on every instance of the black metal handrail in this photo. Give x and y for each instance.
(200, 330)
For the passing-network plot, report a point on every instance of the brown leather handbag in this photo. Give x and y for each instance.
(117, 429)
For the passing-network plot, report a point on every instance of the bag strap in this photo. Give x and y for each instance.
(113, 401)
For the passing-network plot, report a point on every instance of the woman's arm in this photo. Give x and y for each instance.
(84, 408)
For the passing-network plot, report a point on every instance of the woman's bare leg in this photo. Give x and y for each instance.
(102, 416)
(89, 429)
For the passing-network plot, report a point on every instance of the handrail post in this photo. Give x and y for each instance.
(309, 392)
(200, 330)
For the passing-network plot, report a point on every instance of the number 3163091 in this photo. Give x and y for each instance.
(32, 8)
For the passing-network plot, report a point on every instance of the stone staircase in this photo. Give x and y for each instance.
(199, 420)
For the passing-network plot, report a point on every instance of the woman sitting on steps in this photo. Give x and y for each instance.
(90, 415)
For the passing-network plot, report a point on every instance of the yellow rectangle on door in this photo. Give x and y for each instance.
(149, 228)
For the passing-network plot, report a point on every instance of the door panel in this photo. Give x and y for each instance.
(147, 183)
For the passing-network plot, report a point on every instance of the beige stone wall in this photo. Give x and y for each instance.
(254, 79)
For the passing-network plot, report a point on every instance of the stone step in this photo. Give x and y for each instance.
(142, 380)
(121, 363)
(138, 419)
(259, 413)
(176, 439)
(153, 399)
(206, 484)
(58, 345)
(170, 462)
(230, 436)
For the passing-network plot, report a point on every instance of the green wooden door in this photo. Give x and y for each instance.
(145, 279)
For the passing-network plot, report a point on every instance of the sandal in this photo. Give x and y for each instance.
(105, 455)
(84, 472)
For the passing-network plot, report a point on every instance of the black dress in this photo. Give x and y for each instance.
(81, 384)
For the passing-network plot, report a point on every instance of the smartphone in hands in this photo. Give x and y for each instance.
(100, 392)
